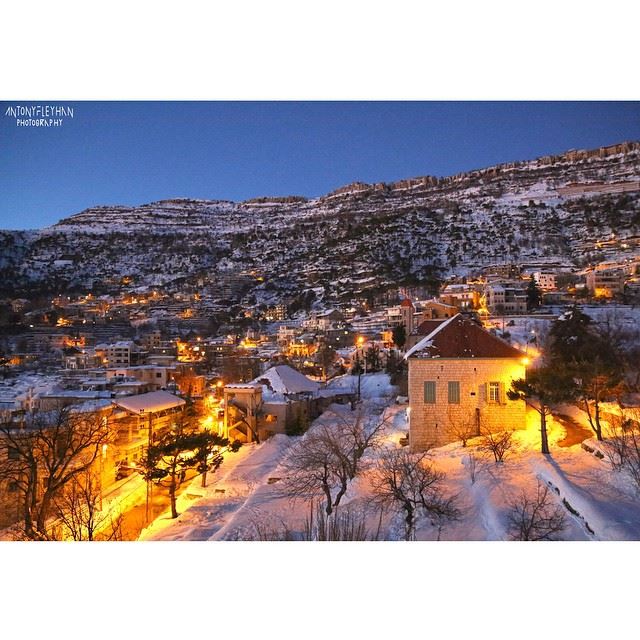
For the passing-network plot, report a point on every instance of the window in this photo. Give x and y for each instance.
(430, 392)
(494, 392)
(13, 453)
(12, 487)
(454, 392)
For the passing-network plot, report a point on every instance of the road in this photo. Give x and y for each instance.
(575, 432)
(134, 519)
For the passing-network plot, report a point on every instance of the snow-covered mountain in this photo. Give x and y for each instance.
(552, 210)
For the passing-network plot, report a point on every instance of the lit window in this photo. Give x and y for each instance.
(494, 392)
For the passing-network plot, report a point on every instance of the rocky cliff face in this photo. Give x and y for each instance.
(553, 210)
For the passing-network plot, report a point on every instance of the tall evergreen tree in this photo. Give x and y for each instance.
(570, 334)
(543, 388)
(591, 357)
(167, 461)
(399, 335)
(372, 358)
(534, 294)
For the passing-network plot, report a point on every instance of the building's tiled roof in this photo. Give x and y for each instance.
(427, 326)
(460, 337)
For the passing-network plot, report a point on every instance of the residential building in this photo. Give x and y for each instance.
(605, 283)
(121, 354)
(433, 309)
(500, 271)
(506, 298)
(402, 314)
(277, 400)
(459, 375)
(545, 280)
(138, 421)
(463, 296)
(277, 312)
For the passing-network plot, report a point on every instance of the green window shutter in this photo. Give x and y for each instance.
(430, 392)
(454, 392)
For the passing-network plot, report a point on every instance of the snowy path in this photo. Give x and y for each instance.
(204, 512)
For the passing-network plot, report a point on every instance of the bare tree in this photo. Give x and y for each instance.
(463, 428)
(474, 466)
(186, 380)
(268, 532)
(44, 454)
(535, 517)
(314, 469)
(496, 443)
(329, 456)
(347, 526)
(622, 445)
(409, 481)
(355, 433)
(79, 510)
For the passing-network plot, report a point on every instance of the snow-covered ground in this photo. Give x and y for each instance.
(247, 494)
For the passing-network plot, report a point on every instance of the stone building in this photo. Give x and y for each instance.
(506, 298)
(605, 283)
(463, 296)
(546, 280)
(402, 314)
(459, 375)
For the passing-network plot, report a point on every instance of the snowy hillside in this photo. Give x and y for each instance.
(554, 210)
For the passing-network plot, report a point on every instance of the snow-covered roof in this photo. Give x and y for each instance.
(427, 339)
(283, 379)
(460, 337)
(77, 393)
(150, 402)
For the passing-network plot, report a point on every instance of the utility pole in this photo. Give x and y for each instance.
(146, 511)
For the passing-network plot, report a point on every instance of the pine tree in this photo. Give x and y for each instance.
(357, 368)
(534, 294)
(372, 358)
(590, 357)
(569, 334)
(399, 335)
(167, 461)
(209, 449)
(543, 388)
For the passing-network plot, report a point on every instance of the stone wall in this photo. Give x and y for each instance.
(434, 424)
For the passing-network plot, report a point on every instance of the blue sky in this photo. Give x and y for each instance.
(137, 152)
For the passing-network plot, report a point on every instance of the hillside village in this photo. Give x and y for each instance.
(260, 371)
